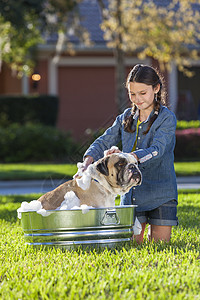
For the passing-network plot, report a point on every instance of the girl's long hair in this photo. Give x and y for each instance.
(147, 75)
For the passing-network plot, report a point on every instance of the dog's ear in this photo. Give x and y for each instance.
(102, 167)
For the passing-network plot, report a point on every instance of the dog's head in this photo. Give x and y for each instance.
(117, 172)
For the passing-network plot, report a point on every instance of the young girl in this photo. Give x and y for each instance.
(147, 130)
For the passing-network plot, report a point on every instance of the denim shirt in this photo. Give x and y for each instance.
(155, 151)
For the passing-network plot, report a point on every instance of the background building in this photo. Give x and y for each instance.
(85, 82)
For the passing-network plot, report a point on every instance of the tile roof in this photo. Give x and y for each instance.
(91, 19)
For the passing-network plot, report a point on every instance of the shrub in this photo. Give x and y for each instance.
(187, 144)
(22, 109)
(34, 142)
(188, 124)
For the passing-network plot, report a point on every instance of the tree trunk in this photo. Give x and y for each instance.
(120, 74)
(121, 98)
(120, 80)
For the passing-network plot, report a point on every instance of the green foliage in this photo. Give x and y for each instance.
(26, 134)
(20, 171)
(187, 124)
(23, 35)
(34, 142)
(24, 23)
(22, 109)
(164, 31)
(187, 168)
(15, 11)
(149, 271)
(63, 18)
(61, 7)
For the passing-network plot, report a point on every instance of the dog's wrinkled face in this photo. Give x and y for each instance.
(118, 172)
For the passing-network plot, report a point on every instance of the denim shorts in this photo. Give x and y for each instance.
(164, 215)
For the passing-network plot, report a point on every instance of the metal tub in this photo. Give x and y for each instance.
(71, 228)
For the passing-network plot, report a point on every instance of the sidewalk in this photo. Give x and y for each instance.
(28, 186)
(44, 186)
(188, 182)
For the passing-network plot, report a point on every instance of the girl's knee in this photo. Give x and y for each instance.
(160, 233)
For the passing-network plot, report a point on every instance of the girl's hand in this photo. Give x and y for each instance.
(87, 161)
(111, 151)
(132, 153)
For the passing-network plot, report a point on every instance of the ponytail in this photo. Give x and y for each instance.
(128, 122)
(157, 102)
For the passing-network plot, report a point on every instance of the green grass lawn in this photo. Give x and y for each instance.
(36, 171)
(149, 271)
(187, 168)
(61, 171)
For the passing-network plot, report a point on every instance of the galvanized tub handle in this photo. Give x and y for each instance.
(110, 218)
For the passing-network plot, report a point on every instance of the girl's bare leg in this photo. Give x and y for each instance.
(139, 238)
(159, 233)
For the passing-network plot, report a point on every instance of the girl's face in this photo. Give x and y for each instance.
(142, 95)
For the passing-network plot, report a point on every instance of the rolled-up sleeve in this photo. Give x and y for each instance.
(163, 140)
(111, 137)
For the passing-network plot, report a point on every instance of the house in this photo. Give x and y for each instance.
(85, 82)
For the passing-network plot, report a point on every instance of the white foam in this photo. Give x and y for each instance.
(112, 148)
(85, 180)
(85, 208)
(34, 205)
(137, 228)
(43, 212)
(71, 201)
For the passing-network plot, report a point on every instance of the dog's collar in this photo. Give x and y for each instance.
(103, 186)
(95, 180)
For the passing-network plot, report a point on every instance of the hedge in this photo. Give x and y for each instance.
(181, 124)
(34, 142)
(22, 109)
(187, 144)
(37, 142)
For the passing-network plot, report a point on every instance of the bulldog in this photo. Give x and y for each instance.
(108, 177)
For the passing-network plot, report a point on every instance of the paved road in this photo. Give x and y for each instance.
(28, 186)
(43, 186)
